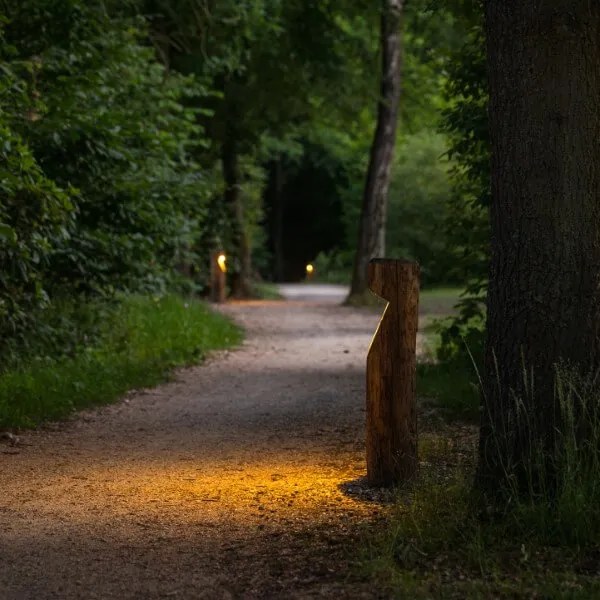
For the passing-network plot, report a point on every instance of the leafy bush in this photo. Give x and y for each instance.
(467, 223)
(334, 266)
(100, 189)
(112, 124)
(36, 215)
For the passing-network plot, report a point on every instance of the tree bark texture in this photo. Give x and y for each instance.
(371, 237)
(544, 291)
(241, 265)
(391, 415)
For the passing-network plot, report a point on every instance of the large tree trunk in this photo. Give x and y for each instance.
(544, 292)
(371, 237)
(241, 266)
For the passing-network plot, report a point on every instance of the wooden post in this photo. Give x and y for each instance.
(391, 374)
(217, 278)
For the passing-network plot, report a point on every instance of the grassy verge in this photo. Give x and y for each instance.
(438, 302)
(141, 342)
(441, 540)
(436, 545)
(439, 543)
(452, 385)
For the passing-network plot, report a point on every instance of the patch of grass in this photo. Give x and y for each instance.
(434, 303)
(333, 276)
(453, 387)
(439, 302)
(552, 489)
(436, 545)
(452, 384)
(141, 342)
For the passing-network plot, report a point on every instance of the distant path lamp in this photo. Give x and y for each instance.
(218, 268)
(310, 271)
(391, 375)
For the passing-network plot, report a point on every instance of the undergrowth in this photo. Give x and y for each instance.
(452, 386)
(551, 487)
(140, 341)
(452, 382)
(442, 540)
(436, 546)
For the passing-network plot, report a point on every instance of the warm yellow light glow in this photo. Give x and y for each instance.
(278, 488)
(221, 260)
(309, 269)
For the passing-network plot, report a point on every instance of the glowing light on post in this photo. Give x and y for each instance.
(309, 269)
(218, 268)
(222, 262)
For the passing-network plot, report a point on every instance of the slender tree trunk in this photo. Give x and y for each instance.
(241, 266)
(371, 237)
(544, 292)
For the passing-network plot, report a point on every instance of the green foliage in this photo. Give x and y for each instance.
(279, 69)
(139, 342)
(420, 190)
(100, 191)
(333, 267)
(418, 200)
(35, 214)
(438, 544)
(419, 195)
(253, 183)
(430, 34)
(465, 122)
(451, 386)
(554, 489)
(451, 383)
(112, 125)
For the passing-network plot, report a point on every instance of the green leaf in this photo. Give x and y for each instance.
(7, 233)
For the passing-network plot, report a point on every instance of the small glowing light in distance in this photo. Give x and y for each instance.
(309, 269)
(221, 260)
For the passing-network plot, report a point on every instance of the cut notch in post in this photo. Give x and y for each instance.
(391, 374)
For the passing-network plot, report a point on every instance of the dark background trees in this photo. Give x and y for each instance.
(148, 131)
(156, 130)
(163, 128)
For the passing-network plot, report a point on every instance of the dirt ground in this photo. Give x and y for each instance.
(226, 483)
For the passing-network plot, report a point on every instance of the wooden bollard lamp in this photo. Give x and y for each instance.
(218, 268)
(391, 375)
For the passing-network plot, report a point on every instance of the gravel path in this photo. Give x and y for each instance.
(222, 484)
